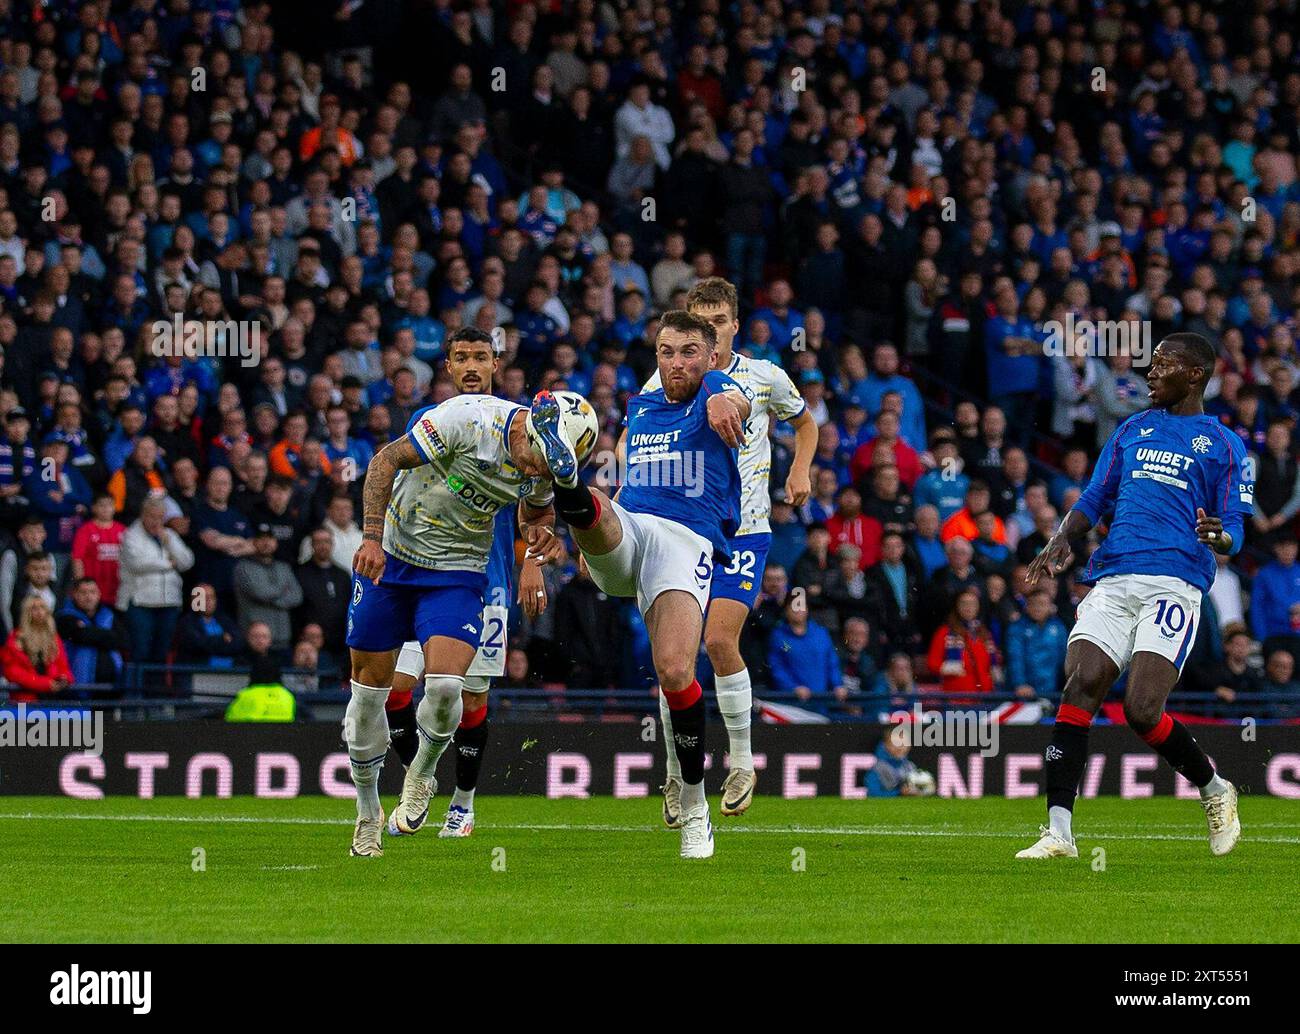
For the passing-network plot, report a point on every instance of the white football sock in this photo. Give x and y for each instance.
(1059, 818)
(436, 718)
(1214, 787)
(666, 716)
(365, 729)
(463, 799)
(736, 702)
(692, 797)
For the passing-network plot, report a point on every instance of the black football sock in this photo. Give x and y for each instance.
(1066, 755)
(1171, 740)
(470, 741)
(687, 706)
(578, 506)
(401, 732)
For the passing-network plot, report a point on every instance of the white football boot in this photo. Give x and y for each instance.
(697, 833)
(738, 791)
(672, 789)
(1225, 823)
(459, 822)
(366, 837)
(413, 808)
(1050, 845)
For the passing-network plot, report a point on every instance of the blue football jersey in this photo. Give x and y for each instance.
(677, 466)
(501, 560)
(1151, 477)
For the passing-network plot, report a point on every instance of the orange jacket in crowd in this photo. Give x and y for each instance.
(962, 525)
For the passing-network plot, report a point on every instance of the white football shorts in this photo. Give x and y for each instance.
(489, 661)
(656, 556)
(1126, 614)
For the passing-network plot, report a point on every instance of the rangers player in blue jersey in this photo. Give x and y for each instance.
(1174, 487)
(677, 509)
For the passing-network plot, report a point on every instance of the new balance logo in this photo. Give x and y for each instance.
(469, 628)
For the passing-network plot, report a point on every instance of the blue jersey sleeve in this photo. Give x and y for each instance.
(1235, 492)
(1098, 499)
(716, 381)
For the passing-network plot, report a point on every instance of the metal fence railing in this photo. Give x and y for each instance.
(142, 700)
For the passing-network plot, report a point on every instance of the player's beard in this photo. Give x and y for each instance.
(680, 391)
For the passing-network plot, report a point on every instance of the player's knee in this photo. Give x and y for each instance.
(722, 648)
(365, 727)
(440, 709)
(1086, 685)
(1142, 712)
(674, 676)
(473, 700)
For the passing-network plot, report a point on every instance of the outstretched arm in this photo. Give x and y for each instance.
(798, 486)
(380, 475)
(1057, 554)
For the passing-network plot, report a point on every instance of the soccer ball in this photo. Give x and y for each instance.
(920, 783)
(578, 424)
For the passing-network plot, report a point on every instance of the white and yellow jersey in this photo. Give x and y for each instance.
(442, 515)
(770, 392)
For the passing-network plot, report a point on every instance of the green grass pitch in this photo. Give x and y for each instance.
(606, 870)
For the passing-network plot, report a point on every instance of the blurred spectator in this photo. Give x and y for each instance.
(153, 558)
(33, 658)
(17, 462)
(897, 683)
(205, 637)
(140, 478)
(59, 494)
(94, 638)
(37, 580)
(962, 653)
(946, 486)
(325, 590)
(266, 589)
(1277, 484)
(1275, 598)
(96, 549)
(1240, 671)
(803, 661)
(893, 590)
(850, 526)
(1279, 678)
(346, 535)
(964, 522)
(857, 658)
(1036, 649)
(586, 622)
(765, 615)
(223, 534)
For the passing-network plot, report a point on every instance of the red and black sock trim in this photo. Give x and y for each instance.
(687, 706)
(471, 741)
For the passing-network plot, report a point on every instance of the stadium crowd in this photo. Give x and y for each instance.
(905, 194)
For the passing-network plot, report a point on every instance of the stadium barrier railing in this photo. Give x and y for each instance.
(168, 692)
